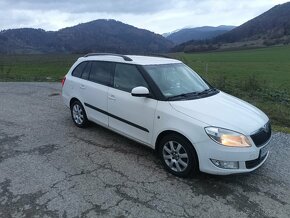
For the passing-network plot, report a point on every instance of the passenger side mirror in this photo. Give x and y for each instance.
(140, 91)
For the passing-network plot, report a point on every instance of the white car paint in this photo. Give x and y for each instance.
(193, 129)
(225, 111)
(135, 110)
(188, 117)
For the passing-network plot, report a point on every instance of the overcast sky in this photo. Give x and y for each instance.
(159, 16)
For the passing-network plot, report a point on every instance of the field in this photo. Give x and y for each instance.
(35, 67)
(259, 76)
(268, 65)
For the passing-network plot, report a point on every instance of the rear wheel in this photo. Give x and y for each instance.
(78, 114)
(178, 155)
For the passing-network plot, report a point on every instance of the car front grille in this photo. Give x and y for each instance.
(262, 135)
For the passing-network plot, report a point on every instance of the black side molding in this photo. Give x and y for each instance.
(116, 117)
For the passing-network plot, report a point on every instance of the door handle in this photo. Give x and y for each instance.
(82, 86)
(112, 97)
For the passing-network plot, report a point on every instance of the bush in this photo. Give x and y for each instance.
(251, 85)
(220, 82)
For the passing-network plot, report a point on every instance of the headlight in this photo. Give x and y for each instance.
(227, 137)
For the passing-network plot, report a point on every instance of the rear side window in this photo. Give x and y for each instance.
(101, 72)
(77, 72)
(128, 77)
(86, 71)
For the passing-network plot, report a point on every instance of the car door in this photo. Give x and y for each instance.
(132, 116)
(95, 91)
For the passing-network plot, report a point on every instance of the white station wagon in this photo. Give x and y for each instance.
(162, 103)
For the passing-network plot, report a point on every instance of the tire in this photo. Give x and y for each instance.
(178, 155)
(78, 114)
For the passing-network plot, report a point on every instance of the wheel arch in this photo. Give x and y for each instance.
(73, 100)
(168, 132)
(85, 118)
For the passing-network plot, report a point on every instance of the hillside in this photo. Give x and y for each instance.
(95, 36)
(198, 33)
(269, 28)
(272, 24)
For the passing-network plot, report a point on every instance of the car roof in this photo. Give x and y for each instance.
(129, 59)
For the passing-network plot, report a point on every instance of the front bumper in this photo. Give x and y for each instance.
(248, 159)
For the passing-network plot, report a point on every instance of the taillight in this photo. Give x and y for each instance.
(63, 81)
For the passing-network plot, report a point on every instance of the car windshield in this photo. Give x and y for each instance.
(177, 80)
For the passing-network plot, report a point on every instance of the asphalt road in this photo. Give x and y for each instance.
(50, 168)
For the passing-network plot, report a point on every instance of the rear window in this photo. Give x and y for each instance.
(86, 71)
(77, 72)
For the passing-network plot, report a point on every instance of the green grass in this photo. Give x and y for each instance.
(259, 76)
(270, 65)
(281, 129)
(35, 67)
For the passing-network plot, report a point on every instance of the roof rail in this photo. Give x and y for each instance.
(126, 58)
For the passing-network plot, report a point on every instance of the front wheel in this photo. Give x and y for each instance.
(178, 155)
(78, 114)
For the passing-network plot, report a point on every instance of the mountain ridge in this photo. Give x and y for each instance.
(270, 28)
(197, 33)
(95, 36)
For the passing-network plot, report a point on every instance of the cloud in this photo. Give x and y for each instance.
(156, 15)
(89, 6)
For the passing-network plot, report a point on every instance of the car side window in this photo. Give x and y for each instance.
(128, 77)
(86, 71)
(77, 72)
(101, 72)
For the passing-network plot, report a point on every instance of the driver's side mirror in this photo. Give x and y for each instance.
(140, 91)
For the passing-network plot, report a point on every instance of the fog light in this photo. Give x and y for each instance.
(225, 164)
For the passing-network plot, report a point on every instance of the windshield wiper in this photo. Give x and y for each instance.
(207, 91)
(192, 94)
(182, 96)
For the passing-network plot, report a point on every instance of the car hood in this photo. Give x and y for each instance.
(223, 110)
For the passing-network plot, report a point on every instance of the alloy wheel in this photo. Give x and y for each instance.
(175, 156)
(78, 114)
